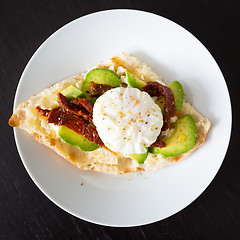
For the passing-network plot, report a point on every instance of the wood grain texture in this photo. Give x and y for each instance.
(25, 213)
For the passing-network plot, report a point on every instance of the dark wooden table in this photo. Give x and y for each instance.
(25, 213)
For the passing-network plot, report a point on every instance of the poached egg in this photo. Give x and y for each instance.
(127, 120)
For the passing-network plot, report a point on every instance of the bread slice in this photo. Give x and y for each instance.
(102, 159)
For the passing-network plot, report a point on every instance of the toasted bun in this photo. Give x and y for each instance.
(102, 159)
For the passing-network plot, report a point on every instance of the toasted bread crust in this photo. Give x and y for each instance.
(103, 160)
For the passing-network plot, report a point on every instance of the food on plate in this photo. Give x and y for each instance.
(71, 92)
(181, 140)
(117, 118)
(178, 93)
(127, 120)
(134, 82)
(76, 139)
(99, 76)
(140, 158)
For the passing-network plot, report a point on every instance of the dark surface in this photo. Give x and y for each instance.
(25, 213)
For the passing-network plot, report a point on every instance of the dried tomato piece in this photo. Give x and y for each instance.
(159, 143)
(43, 112)
(69, 106)
(83, 102)
(78, 124)
(81, 126)
(99, 89)
(157, 89)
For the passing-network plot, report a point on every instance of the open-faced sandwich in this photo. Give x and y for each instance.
(119, 117)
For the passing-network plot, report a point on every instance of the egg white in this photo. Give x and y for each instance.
(127, 120)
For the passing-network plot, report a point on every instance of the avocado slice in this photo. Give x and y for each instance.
(92, 100)
(71, 92)
(182, 140)
(140, 158)
(134, 82)
(178, 93)
(75, 139)
(161, 102)
(100, 76)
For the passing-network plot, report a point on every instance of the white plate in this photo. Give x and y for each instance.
(172, 52)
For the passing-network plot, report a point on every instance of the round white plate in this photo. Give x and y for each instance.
(172, 52)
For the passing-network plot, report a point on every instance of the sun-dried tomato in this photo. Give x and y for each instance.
(99, 89)
(157, 89)
(72, 116)
(159, 143)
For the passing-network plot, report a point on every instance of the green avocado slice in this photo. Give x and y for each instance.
(140, 158)
(71, 92)
(134, 82)
(182, 140)
(100, 76)
(75, 139)
(178, 93)
(161, 102)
